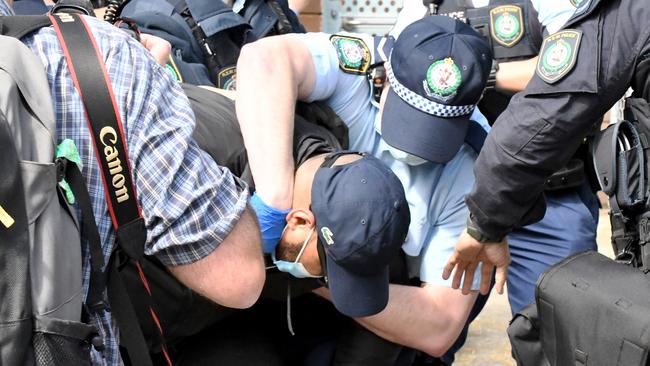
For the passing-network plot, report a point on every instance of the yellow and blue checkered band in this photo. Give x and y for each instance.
(423, 104)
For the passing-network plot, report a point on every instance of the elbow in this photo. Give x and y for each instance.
(250, 289)
(259, 59)
(439, 346)
(438, 343)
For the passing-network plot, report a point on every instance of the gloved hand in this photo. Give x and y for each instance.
(272, 222)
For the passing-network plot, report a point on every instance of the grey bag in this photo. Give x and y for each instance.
(40, 245)
(594, 311)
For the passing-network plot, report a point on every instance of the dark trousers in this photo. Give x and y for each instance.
(260, 337)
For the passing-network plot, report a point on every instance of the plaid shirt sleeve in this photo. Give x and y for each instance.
(188, 202)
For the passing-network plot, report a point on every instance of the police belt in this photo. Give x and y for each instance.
(571, 175)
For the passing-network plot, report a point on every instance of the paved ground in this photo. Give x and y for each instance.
(487, 344)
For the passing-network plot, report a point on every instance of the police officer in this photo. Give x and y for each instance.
(436, 73)
(206, 35)
(582, 71)
(569, 225)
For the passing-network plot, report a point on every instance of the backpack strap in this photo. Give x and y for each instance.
(19, 26)
(104, 122)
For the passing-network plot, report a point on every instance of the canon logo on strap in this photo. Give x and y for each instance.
(118, 181)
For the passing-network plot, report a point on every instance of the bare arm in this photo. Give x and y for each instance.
(272, 74)
(428, 318)
(233, 274)
(515, 75)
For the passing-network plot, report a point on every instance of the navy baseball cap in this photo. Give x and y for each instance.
(30, 7)
(362, 218)
(437, 71)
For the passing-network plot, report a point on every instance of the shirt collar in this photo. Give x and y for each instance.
(5, 9)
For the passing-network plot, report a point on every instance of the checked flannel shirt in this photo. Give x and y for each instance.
(188, 202)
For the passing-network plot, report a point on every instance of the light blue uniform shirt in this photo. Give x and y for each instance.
(435, 192)
(553, 14)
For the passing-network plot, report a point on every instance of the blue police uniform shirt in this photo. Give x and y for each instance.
(553, 14)
(435, 192)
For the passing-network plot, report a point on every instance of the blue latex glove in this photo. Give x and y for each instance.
(272, 222)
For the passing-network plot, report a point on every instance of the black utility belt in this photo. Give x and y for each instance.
(570, 176)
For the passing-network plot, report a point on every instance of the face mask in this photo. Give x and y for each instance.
(405, 157)
(295, 268)
(398, 154)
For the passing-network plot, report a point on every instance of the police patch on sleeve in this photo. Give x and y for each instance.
(558, 55)
(507, 24)
(227, 78)
(353, 53)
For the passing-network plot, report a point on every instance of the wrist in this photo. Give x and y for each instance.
(475, 232)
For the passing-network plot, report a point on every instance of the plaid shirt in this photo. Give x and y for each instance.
(188, 202)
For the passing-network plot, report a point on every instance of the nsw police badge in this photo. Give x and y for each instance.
(227, 78)
(507, 25)
(353, 53)
(558, 55)
(442, 80)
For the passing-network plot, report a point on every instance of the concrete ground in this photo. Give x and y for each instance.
(487, 344)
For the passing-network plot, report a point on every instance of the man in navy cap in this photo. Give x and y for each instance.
(436, 73)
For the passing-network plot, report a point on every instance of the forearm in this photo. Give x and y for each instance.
(514, 76)
(531, 139)
(426, 318)
(267, 122)
(233, 274)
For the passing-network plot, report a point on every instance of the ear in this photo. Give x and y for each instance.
(300, 219)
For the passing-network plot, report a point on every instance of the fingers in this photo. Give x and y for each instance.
(458, 275)
(486, 277)
(468, 281)
(501, 277)
(453, 260)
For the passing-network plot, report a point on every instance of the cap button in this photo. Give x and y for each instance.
(396, 205)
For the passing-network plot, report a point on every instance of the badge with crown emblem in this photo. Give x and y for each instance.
(442, 80)
(507, 25)
(353, 53)
(558, 55)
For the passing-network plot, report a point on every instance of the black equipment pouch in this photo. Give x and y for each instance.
(594, 311)
(525, 340)
(510, 27)
(221, 35)
(571, 175)
(620, 166)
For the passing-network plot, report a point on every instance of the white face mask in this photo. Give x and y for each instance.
(295, 268)
(398, 154)
(405, 157)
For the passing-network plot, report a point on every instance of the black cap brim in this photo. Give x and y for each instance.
(357, 295)
(406, 128)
